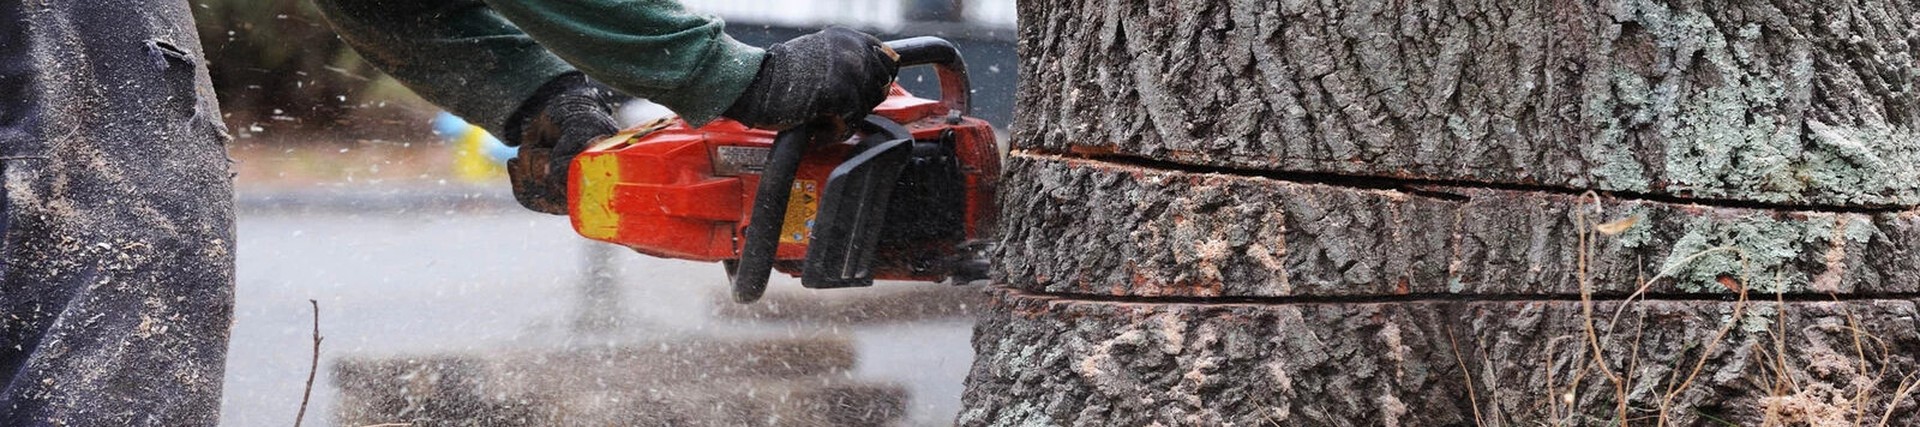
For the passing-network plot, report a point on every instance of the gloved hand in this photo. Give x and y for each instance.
(837, 72)
(550, 128)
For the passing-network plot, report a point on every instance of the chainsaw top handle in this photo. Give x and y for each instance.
(955, 91)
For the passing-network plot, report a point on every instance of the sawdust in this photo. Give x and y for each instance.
(117, 247)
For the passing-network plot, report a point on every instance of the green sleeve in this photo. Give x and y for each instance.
(653, 49)
(479, 59)
(458, 54)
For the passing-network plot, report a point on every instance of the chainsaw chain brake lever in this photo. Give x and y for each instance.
(881, 129)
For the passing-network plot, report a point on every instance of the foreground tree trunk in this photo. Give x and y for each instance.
(1459, 212)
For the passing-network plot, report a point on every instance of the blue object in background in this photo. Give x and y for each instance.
(448, 126)
(453, 129)
(499, 151)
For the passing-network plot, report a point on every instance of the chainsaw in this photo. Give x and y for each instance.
(909, 196)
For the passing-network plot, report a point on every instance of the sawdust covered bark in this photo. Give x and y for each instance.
(117, 290)
(1046, 361)
(1794, 101)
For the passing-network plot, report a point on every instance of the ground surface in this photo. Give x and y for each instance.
(404, 264)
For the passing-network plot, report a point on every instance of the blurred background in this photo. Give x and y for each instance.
(442, 302)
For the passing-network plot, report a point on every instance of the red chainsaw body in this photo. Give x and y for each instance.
(670, 190)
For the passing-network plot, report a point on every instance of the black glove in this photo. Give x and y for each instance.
(837, 72)
(550, 128)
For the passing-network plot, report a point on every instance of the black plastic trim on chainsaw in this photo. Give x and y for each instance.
(853, 209)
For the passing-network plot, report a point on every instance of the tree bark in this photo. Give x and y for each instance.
(1458, 212)
(1789, 101)
(1052, 361)
(1086, 226)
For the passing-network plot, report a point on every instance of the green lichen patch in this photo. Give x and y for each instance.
(1795, 102)
(1757, 251)
(1087, 226)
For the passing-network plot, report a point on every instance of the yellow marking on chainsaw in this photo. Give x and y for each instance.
(598, 174)
(802, 207)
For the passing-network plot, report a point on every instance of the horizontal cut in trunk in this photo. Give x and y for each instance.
(1078, 226)
(1794, 101)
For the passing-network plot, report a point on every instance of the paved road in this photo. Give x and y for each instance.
(395, 279)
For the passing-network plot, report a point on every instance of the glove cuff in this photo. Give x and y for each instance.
(571, 90)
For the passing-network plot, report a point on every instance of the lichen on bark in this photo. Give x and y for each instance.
(1799, 102)
(1233, 212)
(1755, 251)
(1083, 226)
(1050, 361)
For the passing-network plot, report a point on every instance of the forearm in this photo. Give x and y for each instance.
(648, 48)
(457, 54)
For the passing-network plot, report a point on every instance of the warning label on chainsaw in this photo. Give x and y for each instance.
(733, 160)
(802, 205)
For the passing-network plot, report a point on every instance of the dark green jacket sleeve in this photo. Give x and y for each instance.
(652, 49)
(476, 58)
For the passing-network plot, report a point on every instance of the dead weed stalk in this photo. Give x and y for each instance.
(1788, 401)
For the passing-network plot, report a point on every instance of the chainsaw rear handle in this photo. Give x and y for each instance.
(955, 91)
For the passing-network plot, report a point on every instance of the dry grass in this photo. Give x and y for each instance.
(1794, 396)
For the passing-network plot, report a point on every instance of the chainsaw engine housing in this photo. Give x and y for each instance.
(902, 209)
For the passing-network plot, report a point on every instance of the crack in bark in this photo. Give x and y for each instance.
(1439, 189)
(1097, 227)
(1434, 297)
(1789, 101)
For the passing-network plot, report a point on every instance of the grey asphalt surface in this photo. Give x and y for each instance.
(425, 271)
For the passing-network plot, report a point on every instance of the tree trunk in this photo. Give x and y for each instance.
(1585, 212)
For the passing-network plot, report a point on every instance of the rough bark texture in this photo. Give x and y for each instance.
(1075, 226)
(1347, 304)
(780, 382)
(1231, 212)
(1786, 101)
(1046, 361)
